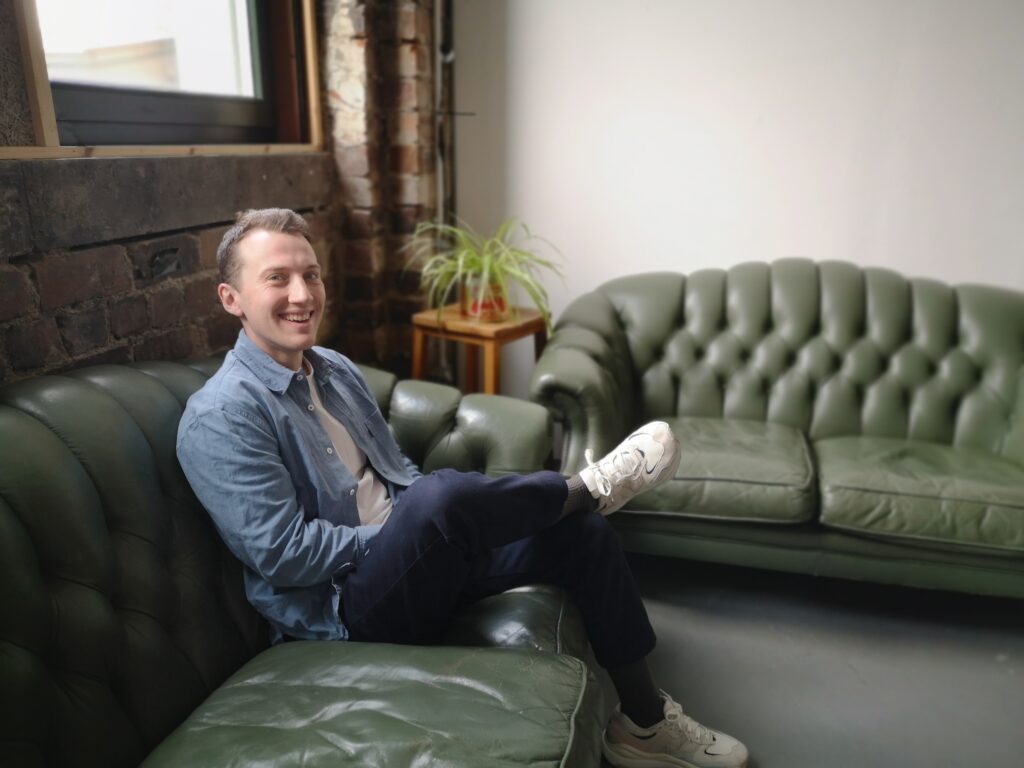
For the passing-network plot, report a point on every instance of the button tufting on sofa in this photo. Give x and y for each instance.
(908, 395)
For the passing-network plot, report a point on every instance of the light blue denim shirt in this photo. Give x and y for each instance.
(262, 464)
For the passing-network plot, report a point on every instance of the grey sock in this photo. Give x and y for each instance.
(579, 497)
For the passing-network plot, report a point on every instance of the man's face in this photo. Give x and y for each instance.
(278, 295)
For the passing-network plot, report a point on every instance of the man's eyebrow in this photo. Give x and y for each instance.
(285, 268)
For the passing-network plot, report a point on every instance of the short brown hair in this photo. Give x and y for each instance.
(270, 219)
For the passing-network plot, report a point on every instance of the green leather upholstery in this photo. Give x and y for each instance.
(727, 463)
(122, 611)
(375, 704)
(806, 392)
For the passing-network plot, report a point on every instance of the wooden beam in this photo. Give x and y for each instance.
(37, 80)
(143, 150)
(316, 128)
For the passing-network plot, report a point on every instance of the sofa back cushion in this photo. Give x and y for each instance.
(121, 608)
(828, 348)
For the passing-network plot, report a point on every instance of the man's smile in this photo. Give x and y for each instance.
(298, 317)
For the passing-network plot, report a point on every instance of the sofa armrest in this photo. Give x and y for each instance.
(585, 378)
(1013, 445)
(437, 426)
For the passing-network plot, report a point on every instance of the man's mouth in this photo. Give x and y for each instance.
(298, 317)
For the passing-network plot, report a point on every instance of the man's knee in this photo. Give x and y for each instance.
(438, 499)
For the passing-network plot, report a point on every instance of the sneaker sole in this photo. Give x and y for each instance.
(625, 756)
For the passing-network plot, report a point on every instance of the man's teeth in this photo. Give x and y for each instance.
(298, 318)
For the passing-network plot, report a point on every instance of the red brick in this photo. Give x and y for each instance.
(406, 159)
(404, 219)
(359, 257)
(16, 295)
(164, 257)
(359, 223)
(68, 278)
(221, 331)
(201, 298)
(84, 331)
(174, 344)
(209, 241)
(166, 306)
(34, 344)
(321, 225)
(128, 316)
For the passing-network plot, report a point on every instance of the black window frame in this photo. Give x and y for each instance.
(95, 115)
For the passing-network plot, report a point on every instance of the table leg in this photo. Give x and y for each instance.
(419, 343)
(492, 367)
(472, 361)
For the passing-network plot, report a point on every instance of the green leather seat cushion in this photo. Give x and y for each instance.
(740, 470)
(316, 704)
(921, 492)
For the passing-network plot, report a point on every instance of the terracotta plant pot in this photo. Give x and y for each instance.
(490, 307)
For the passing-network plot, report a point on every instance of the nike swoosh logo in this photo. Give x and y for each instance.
(651, 467)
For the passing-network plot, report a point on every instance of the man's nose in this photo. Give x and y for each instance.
(298, 291)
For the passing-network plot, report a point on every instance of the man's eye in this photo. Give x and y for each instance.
(275, 278)
(313, 277)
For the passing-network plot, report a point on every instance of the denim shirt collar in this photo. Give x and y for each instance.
(276, 377)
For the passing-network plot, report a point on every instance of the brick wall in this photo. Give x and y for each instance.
(379, 82)
(96, 267)
(113, 259)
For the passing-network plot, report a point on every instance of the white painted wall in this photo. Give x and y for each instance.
(681, 134)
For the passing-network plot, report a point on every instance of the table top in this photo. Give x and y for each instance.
(521, 321)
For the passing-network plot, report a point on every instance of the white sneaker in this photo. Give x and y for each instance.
(642, 461)
(678, 741)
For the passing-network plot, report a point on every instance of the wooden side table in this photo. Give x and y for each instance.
(454, 326)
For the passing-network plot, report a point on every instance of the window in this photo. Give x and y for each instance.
(172, 72)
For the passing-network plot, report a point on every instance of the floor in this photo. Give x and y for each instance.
(829, 674)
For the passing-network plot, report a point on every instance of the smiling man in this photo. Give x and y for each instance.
(341, 535)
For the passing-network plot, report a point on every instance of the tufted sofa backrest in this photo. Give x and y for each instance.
(829, 348)
(121, 608)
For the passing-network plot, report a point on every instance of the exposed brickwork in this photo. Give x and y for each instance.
(128, 316)
(83, 331)
(34, 344)
(67, 278)
(16, 294)
(117, 261)
(164, 257)
(379, 82)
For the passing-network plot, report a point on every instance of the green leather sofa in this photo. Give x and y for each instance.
(126, 637)
(834, 420)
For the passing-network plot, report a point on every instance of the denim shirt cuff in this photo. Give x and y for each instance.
(364, 535)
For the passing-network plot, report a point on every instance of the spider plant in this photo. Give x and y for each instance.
(482, 269)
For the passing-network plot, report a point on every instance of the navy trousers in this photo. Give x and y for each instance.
(456, 537)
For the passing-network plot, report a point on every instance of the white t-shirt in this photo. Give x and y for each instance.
(371, 493)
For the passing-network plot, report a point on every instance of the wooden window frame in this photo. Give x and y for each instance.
(298, 112)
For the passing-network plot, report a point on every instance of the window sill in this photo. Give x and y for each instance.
(43, 153)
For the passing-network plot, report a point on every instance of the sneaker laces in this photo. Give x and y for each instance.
(680, 721)
(616, 462)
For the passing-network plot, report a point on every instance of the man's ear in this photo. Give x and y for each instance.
(229, 299)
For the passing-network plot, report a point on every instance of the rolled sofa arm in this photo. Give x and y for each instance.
(585, 378)
(1013, 445)
(437, 426)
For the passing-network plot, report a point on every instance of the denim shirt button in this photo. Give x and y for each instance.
(330, 451)
(298, 377)
(310, 407)
(352, 492)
